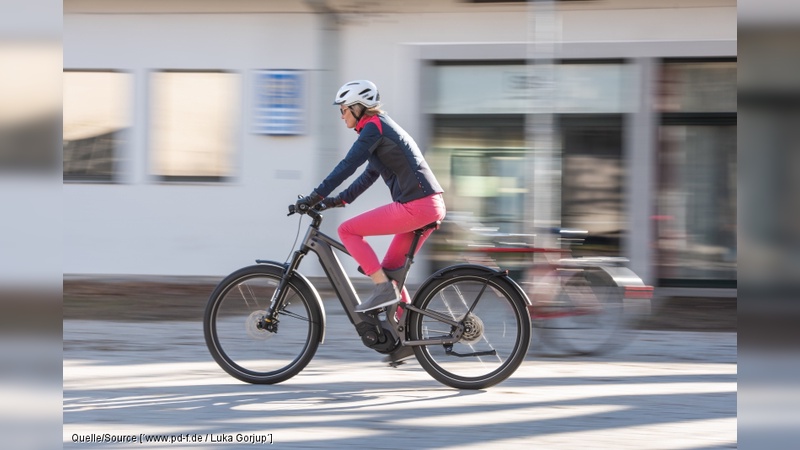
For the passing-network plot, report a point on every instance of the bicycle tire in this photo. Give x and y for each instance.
(587, 316)
(255, 355)
(500, 324)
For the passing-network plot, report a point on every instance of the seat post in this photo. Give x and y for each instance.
(412, 251)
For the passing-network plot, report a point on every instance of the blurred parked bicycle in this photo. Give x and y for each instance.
(578, 305)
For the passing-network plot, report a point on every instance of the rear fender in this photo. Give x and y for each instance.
(478, 268)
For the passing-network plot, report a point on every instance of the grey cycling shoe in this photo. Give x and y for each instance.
(385, 294)
(399, 356)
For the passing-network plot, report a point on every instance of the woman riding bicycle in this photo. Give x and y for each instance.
(392, 154)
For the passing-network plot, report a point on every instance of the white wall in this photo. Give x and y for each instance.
(142, 226)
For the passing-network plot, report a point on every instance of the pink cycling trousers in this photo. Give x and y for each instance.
(400, 219)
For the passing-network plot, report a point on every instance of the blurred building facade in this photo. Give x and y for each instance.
(189, 126)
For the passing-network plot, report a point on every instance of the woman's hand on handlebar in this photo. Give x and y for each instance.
(303, 204)
(330, 202)
(315, 203)
(310, 211)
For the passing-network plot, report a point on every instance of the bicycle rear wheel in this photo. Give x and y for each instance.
(242, 347)
(498, 330)
(585, 316)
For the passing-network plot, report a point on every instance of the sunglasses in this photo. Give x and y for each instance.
(342, 110)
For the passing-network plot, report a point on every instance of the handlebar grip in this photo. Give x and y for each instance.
(291, 210)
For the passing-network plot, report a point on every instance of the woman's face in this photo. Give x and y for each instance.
(347, 115)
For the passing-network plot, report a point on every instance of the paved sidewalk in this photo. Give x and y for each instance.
(666, 390)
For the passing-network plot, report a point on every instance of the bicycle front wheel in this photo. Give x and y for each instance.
(497, 331)
(237, 339)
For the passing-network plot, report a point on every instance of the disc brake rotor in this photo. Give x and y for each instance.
(251, 326)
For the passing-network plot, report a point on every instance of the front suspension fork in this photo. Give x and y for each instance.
(270, 320)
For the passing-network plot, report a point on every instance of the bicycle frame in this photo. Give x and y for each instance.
(456, 340)
(323, 246)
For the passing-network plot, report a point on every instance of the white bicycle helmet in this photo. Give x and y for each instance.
(359, 91)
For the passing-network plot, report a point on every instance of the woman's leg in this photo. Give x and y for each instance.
(429, 210)
(371, 223)
(394, 218)
(424, 211)
(396, 253)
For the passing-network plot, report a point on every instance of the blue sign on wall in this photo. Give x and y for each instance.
(280, 102)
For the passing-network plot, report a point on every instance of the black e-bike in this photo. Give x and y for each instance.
(468, 324)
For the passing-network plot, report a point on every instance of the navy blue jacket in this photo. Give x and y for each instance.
(391, 154)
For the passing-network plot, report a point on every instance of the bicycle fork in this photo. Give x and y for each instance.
(270, 320)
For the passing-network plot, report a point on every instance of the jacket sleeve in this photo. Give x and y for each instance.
(359, 153)
(359, 185)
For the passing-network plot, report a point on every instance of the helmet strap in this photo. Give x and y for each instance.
(359, 116)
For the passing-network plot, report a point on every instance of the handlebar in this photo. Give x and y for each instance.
(314, 213)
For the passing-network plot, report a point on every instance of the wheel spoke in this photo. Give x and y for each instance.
(288, 313)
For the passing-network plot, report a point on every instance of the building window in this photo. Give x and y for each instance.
(593, 181)
(194, 118)
(480, 163)
(697, 165)
(96, 114)
(482, 144)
